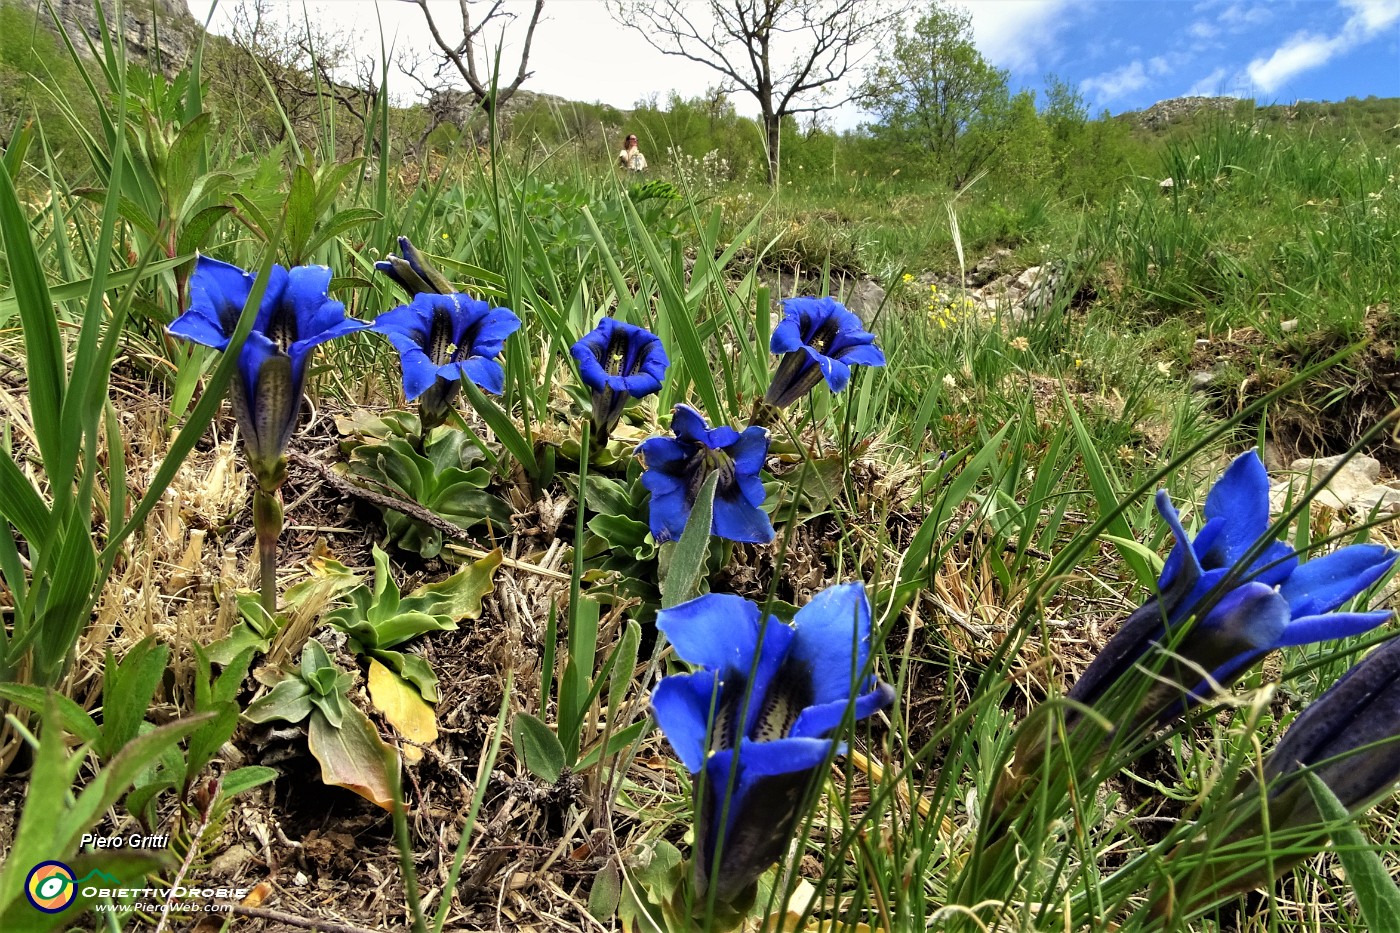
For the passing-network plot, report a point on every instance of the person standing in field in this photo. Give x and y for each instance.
(631, 157)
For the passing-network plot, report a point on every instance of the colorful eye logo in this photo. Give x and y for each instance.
(50, 887)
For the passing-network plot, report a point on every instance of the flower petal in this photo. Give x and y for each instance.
(1324, 583)
(819, 721)
(718, 631)
(1330, 625)
(749, 450)
(487, 373)
(863, 355)
(418, 370)
(660, 452)
(682, 704)
(1241, 497)
(735, 520)
(833, 641)
(689, 424)
(197, 326)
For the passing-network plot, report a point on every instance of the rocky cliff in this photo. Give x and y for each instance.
(154, 30)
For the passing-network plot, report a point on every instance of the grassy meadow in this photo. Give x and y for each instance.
(444, 721)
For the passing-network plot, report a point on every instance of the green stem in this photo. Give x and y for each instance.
(267, 525)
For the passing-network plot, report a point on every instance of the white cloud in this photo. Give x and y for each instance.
(1159, 66)
(1305, 51)
(1241, 16)
(1116, 83)
(1209, 86)
(1018, 33)
(1201, 29)
(1373, 15)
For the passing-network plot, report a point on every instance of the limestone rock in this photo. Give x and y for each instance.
(988, 267)
(1356, 485)
(171, 24)
(864, 298)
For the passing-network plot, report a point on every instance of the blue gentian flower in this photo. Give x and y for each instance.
(677, 467)
(769, 695)
(442, 339)
(819, 339)
(618, 361)
(295, 316)
(1272, 602)
(412, 272)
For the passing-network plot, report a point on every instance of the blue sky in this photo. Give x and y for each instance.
(1121, 54)
(1127, 55)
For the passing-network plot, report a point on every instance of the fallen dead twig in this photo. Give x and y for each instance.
(305, 923)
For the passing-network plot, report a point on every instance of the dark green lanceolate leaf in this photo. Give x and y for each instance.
(74, 718)
(1376, 892)
(503, 427)
(379, 618)
(619, 531)
(289, 700)
(127, 689)
(242, 780)
(452, 493)
(606, 893)
(539, 747)
(692, 550)
(219, 696)
(459, 596)
(609, 497)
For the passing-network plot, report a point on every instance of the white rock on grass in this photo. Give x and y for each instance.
(1356, 486)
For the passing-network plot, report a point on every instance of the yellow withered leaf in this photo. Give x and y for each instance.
(406, 711)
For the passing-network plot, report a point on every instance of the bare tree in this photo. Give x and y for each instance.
(462, 53)
(782, 52)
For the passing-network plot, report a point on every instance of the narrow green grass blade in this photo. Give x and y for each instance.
(44, 357)
(1108, 498)
(505, 430)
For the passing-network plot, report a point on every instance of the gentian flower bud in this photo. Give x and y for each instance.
(754, 724)
(618, 362)
(677, 468)
(412, 272)
(1349, 738)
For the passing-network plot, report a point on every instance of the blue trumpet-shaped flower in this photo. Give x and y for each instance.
(819, 339)
(295, 316)
(412, 272)
(618, 361)
(1245, 604)
(443, 339)
(755, 722)
(677, 467)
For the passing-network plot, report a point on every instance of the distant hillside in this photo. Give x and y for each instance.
(1379, 115)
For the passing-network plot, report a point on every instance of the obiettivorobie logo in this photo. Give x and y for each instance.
(51, 886)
